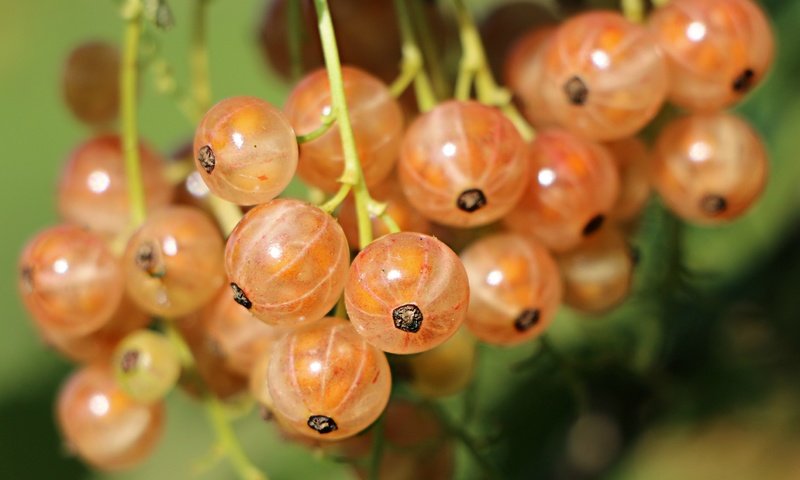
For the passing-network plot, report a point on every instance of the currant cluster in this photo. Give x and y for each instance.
(297, 306)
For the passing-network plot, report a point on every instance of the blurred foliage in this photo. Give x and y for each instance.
(694, 377)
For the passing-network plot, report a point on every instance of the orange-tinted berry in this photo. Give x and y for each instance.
(633, 161)
(407, 293)
(718, 50)
(240, 337)
(515, 288)
(93, 189)
(604, 77)
(463, 164)
(210, 361)
(597, 275)
(90, 82)
(524, 68)
(102, 424)
(327, 381)
(70, 281)
(397, 206)
(709, 168)
(173, 263)
(572, 187)
(287, 262)
(444, 370)
(245, 150)
(376, 118)
(99, 345)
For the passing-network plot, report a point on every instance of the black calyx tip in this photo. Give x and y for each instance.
(240, 297)
(26, 275)
(206, 158)
(129, 360)
(577, 91)
(527, 319)
(594, 224)
(713, 204)
(147, 259)
(744, 81)
(471, 200)
(322, 424)
(407, 318)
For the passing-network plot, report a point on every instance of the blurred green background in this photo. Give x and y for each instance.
(695, 377)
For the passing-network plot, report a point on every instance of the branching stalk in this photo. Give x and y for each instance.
(352, 174)
(475, 68)
(130, 140)
(413, 64)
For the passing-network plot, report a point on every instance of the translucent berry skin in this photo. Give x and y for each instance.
(604, 77)
(327, 381)
(245, 150)
(210, 361)
(240, 337)
(93, 190)
(146, 366)
(633, 159)
(718, 50)
(98, 346)
(407, 293)
(523, 73)
(573, 185)
(69, 281)
(709, 168)
(462, 164)
(446, 369)
(397, 206)
(515, 288)
(597, 275)
(173, 263)
(289, 260)
(377, 121)
(90, 83)
(102, 424)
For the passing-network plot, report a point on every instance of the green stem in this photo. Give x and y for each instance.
(229, 443)
(474, 66)
(337, 199)
(352, 174)
(429, 49)
(325, 125)
(390, 223)
(378, 440)
(295, 38)
(466, 76)
(201, 83)
(128, 111)
(633, 10)
(227, 214)
(413, 62)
